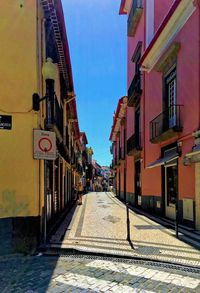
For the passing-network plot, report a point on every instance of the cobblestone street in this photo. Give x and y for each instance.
(92, 274)
(99, 225)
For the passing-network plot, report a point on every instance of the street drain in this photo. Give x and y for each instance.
(147, 263)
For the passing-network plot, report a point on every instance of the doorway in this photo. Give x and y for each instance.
(171, 188)
(137, 183)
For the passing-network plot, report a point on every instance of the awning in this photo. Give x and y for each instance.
(195, 151)
(162, 161)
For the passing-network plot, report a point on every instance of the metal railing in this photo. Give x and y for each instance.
(134, 142)
(169, 119)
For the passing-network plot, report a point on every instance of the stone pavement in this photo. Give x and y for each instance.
(99, 225)
(51, 274)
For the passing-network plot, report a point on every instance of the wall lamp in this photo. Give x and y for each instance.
(49, 75)
(36, 101)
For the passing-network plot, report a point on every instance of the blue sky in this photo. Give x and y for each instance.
(97, 41)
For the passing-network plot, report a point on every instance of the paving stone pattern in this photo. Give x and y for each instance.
(97, 228)
(82, 274)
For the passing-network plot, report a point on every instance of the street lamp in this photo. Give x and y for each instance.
(49, 75)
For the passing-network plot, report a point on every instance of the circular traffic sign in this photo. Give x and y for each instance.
(45, 144)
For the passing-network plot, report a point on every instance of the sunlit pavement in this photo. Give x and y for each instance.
(40, 274)
(99, 225)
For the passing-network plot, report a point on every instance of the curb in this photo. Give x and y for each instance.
(77, 252)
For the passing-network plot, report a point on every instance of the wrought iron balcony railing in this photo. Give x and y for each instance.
(166, 124)
(134, 143)
(134, 16)
(134, 90)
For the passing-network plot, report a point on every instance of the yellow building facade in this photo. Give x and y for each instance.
(25, 45)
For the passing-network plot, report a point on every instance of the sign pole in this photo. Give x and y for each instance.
(45, 202)
(128, 222)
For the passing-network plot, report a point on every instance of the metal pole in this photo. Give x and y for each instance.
(45, 202)
(177, 219)
(128, 222)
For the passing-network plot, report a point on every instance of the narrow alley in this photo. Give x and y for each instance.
(100, 146)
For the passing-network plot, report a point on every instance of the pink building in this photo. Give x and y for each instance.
(118, 137)
(162, 118)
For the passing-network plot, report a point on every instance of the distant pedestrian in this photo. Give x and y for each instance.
(74, 188)
(80, 193)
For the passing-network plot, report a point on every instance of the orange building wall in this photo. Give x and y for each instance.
(188, 96)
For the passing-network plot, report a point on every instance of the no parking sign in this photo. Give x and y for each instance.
(44, 145)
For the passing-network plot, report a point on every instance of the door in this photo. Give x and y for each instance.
(119, 190)
(137, 183)
(171, 189)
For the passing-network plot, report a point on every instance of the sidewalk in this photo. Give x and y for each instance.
(99, 226)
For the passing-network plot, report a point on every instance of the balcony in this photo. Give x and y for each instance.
(166, 125)
(134, 17)
(134, 144)
(134, 91)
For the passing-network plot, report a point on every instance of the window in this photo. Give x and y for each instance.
(137, 127)
(170, 97)
(136, 57)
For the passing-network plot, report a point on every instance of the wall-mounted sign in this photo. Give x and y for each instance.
(5, 122)
(44, 145)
